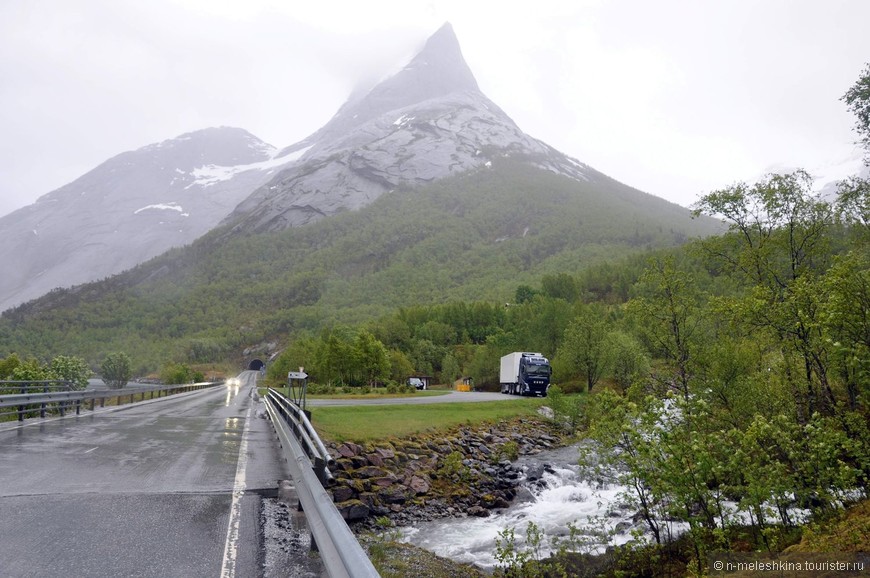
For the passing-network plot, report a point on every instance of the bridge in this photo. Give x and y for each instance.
(169, 486)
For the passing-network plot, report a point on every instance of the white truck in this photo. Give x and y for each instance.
(524, 373)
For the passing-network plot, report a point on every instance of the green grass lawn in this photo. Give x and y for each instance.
(373, 395)
(367, 423)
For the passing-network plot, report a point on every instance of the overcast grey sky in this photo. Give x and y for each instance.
(674, 97)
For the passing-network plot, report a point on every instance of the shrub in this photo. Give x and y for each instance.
(320, 389)
(116, 370)
(452, 465)
(175, 373)
(507, 451)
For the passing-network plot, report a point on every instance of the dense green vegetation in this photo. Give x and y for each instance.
(755, 409)
(73, 370)
(472, 238)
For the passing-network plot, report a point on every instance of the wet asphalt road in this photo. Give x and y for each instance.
(143, 490)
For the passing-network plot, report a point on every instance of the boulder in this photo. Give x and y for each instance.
(347, 450)
(386, 453)
(371, 472)
(353, 510)
(342, 494)
(375, 459)
(419, 485)
(384, 481)
(395, 494)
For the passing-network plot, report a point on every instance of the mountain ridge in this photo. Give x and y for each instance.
(427, 122)
(128, 209)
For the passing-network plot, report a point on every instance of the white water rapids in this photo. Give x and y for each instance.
(563, 498)
(553, 494)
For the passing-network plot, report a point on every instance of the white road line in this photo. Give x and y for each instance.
(231, 546)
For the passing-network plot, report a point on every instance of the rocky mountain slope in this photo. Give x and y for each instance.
(428, 121)
(129, 209)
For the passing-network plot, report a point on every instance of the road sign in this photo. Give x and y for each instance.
(297, 375)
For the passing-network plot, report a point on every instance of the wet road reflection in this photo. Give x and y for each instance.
(149, 471)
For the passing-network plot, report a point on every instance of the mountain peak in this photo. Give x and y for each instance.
(428, 121)
(440, 68)
(437, 70)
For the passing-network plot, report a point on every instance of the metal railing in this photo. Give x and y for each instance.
(33, 399)
(300, 424)
(339, 549)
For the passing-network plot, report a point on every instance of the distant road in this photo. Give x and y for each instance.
(452, 397)
(148, 489)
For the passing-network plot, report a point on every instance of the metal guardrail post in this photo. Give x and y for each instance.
(21, 407)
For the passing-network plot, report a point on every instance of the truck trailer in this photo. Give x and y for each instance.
(524, 373)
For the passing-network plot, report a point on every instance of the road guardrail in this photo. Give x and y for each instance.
(342, 555)
(42, 402)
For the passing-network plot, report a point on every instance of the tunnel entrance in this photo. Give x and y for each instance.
(256, 365)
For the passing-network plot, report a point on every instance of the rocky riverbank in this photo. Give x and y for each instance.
(464, 472)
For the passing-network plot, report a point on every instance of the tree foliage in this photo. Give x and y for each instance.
(73, 370)
(585, 348)
(857, 99)
(468, 242)
(179, 374)
(116, 370)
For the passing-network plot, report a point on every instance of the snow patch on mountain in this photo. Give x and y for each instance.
(126, 211)
(163, 207)
(208, 175)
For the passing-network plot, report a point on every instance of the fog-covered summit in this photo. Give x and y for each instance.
(428, 121)
(437, 70)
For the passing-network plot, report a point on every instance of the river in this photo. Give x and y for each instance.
(553, 494)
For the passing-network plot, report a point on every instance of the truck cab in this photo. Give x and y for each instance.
(524, 373)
